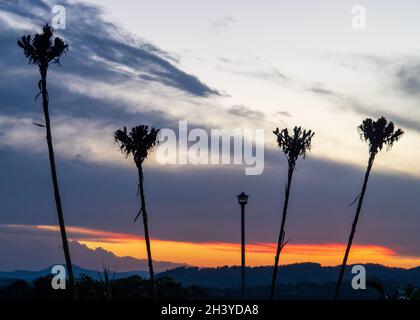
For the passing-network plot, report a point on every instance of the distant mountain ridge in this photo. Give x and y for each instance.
(229, 277)
(29, 275)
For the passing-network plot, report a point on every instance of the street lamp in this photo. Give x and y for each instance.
(243, 200)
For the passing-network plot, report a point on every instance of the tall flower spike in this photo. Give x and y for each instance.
(138, 142)
(296, 144)
(43, 48)
(293, 145)
(379, 133)
(376, 134)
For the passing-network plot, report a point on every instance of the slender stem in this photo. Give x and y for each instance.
(280, 241)
(43, 71)
(353, 228)
(243, 251)
(146, 231)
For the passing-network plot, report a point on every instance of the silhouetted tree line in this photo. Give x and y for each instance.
(44, 49)
(130, 288)
(137, 288)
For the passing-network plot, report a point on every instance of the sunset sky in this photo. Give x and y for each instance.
(236, 64)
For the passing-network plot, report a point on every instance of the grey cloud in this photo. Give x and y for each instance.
(321, 90)
(253, 68)
(88, 34)
(251, 60)
(361, 61)
(222, 22)
(268, 75)
(243, 111)
(189, 204)
(229, 61)
(34, 252)
(408, 77)
(283, 114)
(350, 103)
(376, 60)
(400, 71)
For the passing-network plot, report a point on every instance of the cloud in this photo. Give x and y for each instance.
(271, 74)
(189, 204)
(283, 114)
(401, 71)
(361, 61)
(31, 248)
(95, 248)
(409, 78)
(37, 247)
(398, 74)
(110, 79)
(98, 47)
(10, 20)
(222, 22)
(346, 102)
(319, 89)
(243, 111)
(74, 136)
(229, 61)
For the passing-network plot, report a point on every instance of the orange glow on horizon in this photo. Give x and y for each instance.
(220, 254)
(212, 254)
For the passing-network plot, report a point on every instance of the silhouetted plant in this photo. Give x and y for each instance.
(107, 282)
(376, 134)
(139, 142)
(293, 145)
(410, 292)
(42, 50)
(407, 291)
(383, 295)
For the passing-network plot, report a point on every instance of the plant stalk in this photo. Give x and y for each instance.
(43, 72)
(353, 228)
(146, 231)
(280, 242)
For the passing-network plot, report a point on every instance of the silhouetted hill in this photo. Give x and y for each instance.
(5, 277)
(229, 277)
(296, 281)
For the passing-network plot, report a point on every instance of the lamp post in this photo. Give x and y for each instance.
(243, 200)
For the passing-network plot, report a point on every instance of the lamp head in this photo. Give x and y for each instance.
(242, 198)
